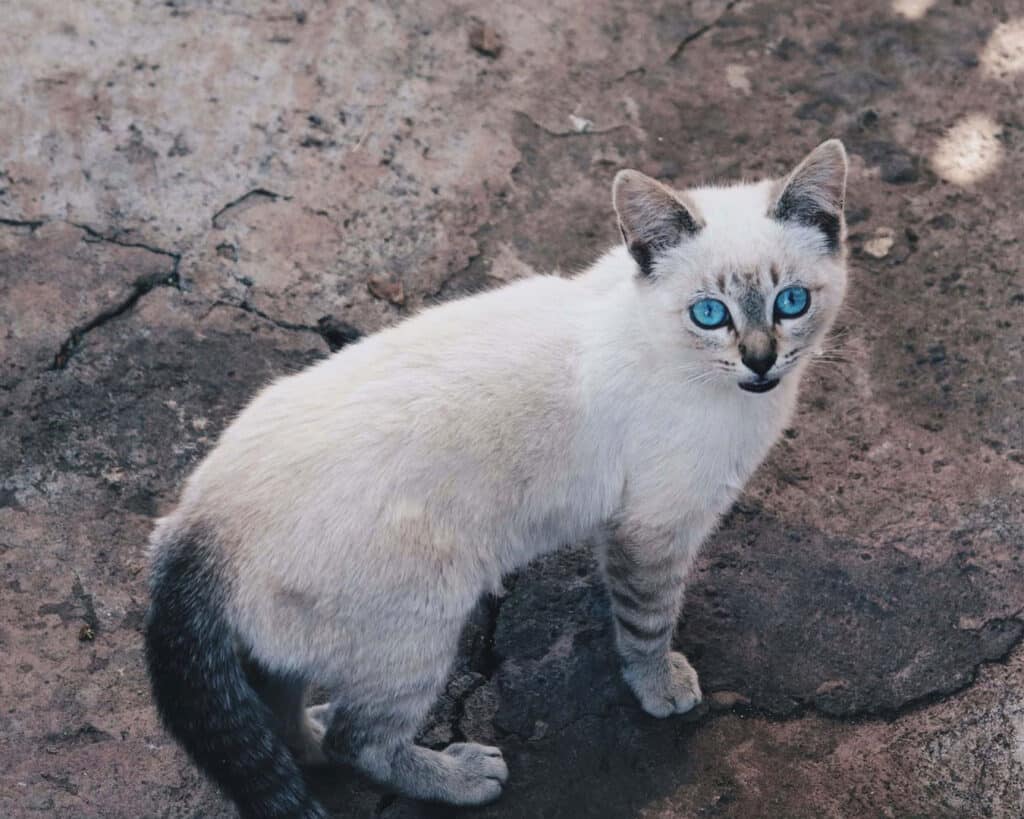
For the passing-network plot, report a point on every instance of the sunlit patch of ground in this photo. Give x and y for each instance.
(1003, 56)
(912, 9)
(969, 151)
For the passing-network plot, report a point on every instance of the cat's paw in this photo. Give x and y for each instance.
(667, 687)
(480, 773)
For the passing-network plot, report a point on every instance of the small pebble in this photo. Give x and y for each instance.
(388, 288)
(879, 245)
(484, 39)
(724, 700)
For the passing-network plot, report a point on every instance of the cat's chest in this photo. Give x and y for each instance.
(700, 457)
(719, 454)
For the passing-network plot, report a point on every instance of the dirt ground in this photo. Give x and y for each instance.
(197, 195)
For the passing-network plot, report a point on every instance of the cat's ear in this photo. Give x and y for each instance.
(652, 218)
(815, 192)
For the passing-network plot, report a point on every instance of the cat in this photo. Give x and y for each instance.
(353, 514)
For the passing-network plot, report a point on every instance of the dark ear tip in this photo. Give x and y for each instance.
(814, 194)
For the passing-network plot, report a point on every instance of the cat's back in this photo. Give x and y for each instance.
(475, 395)
(476, 349)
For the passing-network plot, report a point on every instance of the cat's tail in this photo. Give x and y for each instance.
(202, 693)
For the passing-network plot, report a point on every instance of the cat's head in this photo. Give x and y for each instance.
(740, 283)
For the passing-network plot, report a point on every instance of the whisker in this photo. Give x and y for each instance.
(699, 378)
(821, 351)
(818, 363)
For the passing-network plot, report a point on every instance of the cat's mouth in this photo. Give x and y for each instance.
(760, 385)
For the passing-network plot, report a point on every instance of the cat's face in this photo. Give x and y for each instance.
(742, 283)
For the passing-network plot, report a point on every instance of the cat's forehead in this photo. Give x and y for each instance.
(736, 243)
(740, 244)
(738, 204)
(739, 280)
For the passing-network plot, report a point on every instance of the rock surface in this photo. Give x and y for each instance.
(196, 197)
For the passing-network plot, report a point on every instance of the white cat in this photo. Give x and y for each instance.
(352, 515)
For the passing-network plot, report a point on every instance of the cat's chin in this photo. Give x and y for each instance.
(761, 385)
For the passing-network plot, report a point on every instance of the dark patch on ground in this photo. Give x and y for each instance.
(793, 618)
(77, 607)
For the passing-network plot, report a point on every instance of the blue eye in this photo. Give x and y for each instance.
(709, 314)
(792, 302)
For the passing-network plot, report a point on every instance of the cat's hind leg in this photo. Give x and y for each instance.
(372, 729)
(464, 773)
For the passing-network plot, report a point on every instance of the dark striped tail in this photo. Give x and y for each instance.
(203, 695)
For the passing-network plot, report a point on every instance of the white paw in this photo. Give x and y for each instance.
(670, 687)
(480, 773)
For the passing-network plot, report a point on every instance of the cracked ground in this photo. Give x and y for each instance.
(198, 196)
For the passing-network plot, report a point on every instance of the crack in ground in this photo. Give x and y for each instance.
(334, 332)
(700, 32)
(94, 235)
(281, 323)
(140, 287)
(32, 225)
(247, 200)
(641, 70)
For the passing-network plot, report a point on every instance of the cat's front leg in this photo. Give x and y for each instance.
(645, 570)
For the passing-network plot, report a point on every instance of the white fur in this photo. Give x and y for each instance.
(371, 498)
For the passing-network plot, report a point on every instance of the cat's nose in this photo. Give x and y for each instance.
(760, 361)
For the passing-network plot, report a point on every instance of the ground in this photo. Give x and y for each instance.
(198, 195)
